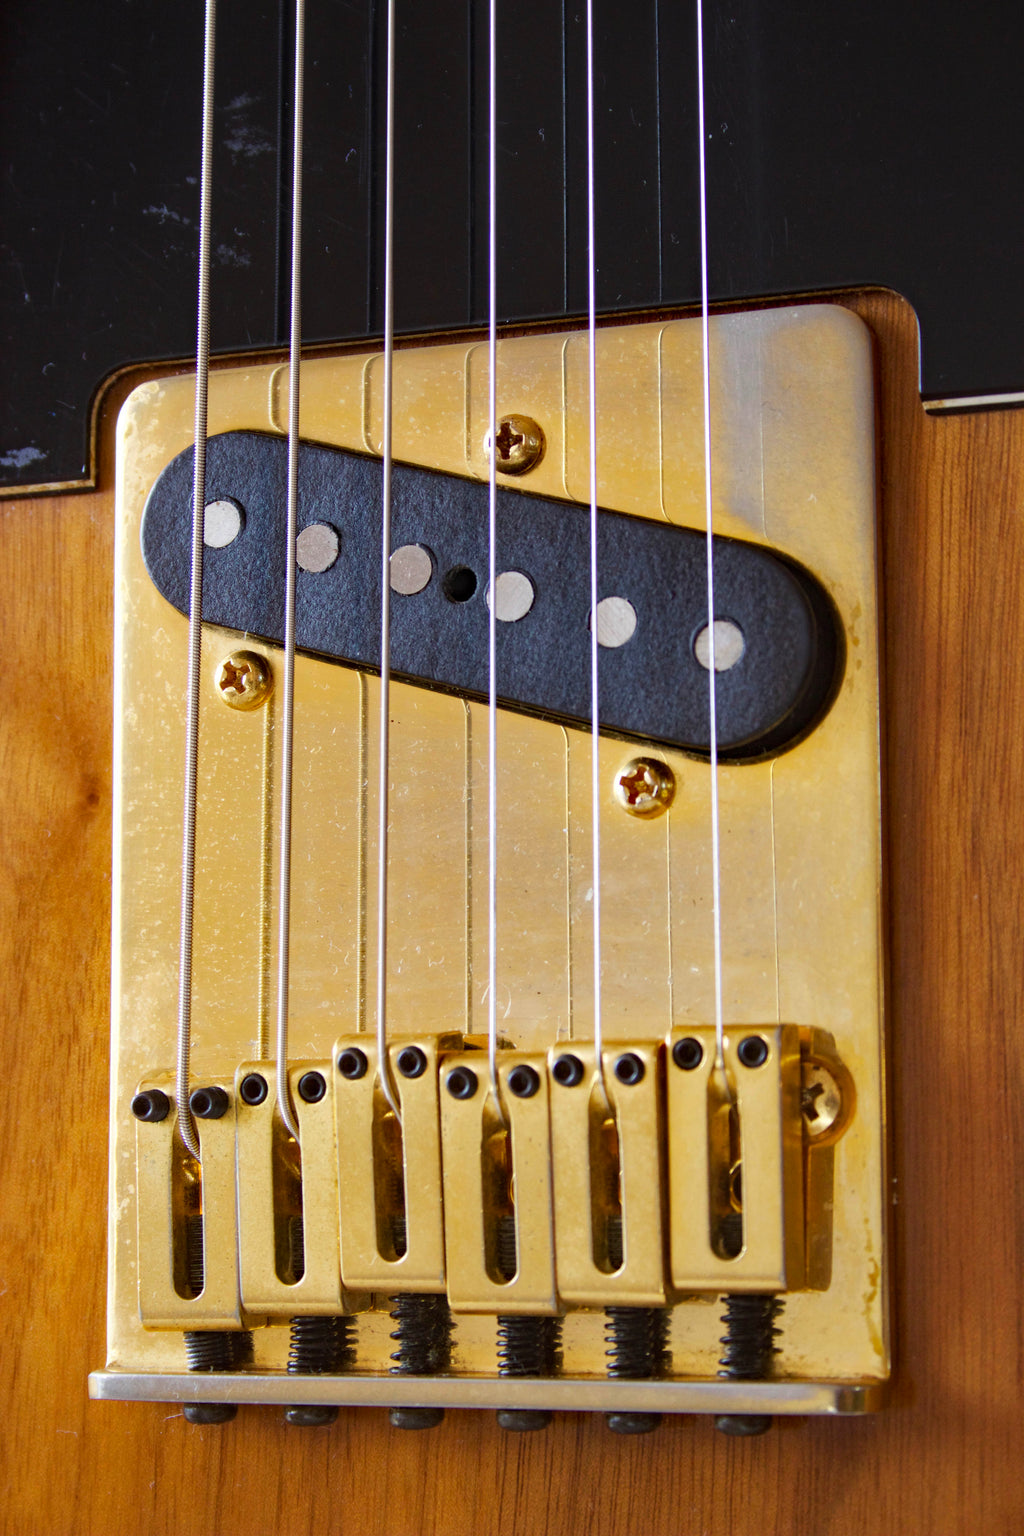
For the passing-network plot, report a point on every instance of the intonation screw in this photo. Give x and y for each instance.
(749, 1345)
(821, 1102)
(244, 680)
(519, 443)
(423, 1334)
(644, 786)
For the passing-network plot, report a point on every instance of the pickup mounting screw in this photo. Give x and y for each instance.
(644, 786)
(244, 680)
(519, 443)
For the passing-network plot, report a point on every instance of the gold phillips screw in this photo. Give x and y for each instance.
(520, 444)
(644, 786)
(244, 680)
(822, 1102)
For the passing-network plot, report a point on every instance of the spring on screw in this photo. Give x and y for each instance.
(749, 1344)
(636, 1342)
(321, 1346)
(423, 1333)
(209, 1350)
(213, 1351)
(529, 1345)
(749, 1336)
(636, 1352)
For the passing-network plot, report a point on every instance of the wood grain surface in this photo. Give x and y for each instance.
(944, 1458)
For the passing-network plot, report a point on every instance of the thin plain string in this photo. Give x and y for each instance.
(284, 1102)
(716, 895)
(383, 1064)
(186, 1124)
(595, 739)
(492, 538)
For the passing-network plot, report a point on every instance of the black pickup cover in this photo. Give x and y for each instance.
(652, 688)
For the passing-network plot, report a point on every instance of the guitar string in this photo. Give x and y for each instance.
(492, 521)
(186, 1125)
(716, 879)
(595, 739)
(284, 1101)
(383, 800)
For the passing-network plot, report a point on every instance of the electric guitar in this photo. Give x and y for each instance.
(886, 1210)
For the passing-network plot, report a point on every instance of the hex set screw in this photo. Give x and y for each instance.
(312, 1087)
(252, 1090)
(688, 1054)
(461, 1083)
(412, 1062)
(352, 1064)
(208, 1103)
(752, 1051)
(568, 1071)
(153, 1105)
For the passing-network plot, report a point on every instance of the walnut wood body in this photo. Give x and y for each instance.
(944, 1458)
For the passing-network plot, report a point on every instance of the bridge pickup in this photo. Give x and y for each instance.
(653, 686)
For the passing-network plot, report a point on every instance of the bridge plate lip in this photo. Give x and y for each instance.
(566, 1394)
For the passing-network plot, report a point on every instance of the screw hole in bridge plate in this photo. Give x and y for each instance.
(459, 584)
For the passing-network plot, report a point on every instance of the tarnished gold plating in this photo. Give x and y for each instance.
(794, 468)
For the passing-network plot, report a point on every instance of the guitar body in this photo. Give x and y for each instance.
(943, 1457)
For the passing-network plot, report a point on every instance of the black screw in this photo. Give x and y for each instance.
(412, 1062)
(523, 1081)
(461, 1083)
(151, 1106)
(423, 1333)
(209, 1413)
(749, 1341)
(753, 1051)
(636, 1352)
(217, 1350)
(253, 1089)
(629, 1068)
(208, 1103)
(567, 1070)
(318, 1346)
(688, 1054)
(415, 1418)
(528, 1346)
(312, 1087)
(352, 1064)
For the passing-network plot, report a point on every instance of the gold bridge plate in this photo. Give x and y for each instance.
(794, 467)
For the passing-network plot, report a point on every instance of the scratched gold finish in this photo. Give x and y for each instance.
(497, 1168)
(376, 1155)
(606, 1139)
(794, 468)
(283, 1192)
(169, 1191)
(764, 1104)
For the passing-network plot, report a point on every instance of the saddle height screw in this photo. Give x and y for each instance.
(644, 787)
(520, 445)
(244, 680)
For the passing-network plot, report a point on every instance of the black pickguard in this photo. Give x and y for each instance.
(876, 144)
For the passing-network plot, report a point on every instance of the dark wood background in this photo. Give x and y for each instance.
(944, 1458)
